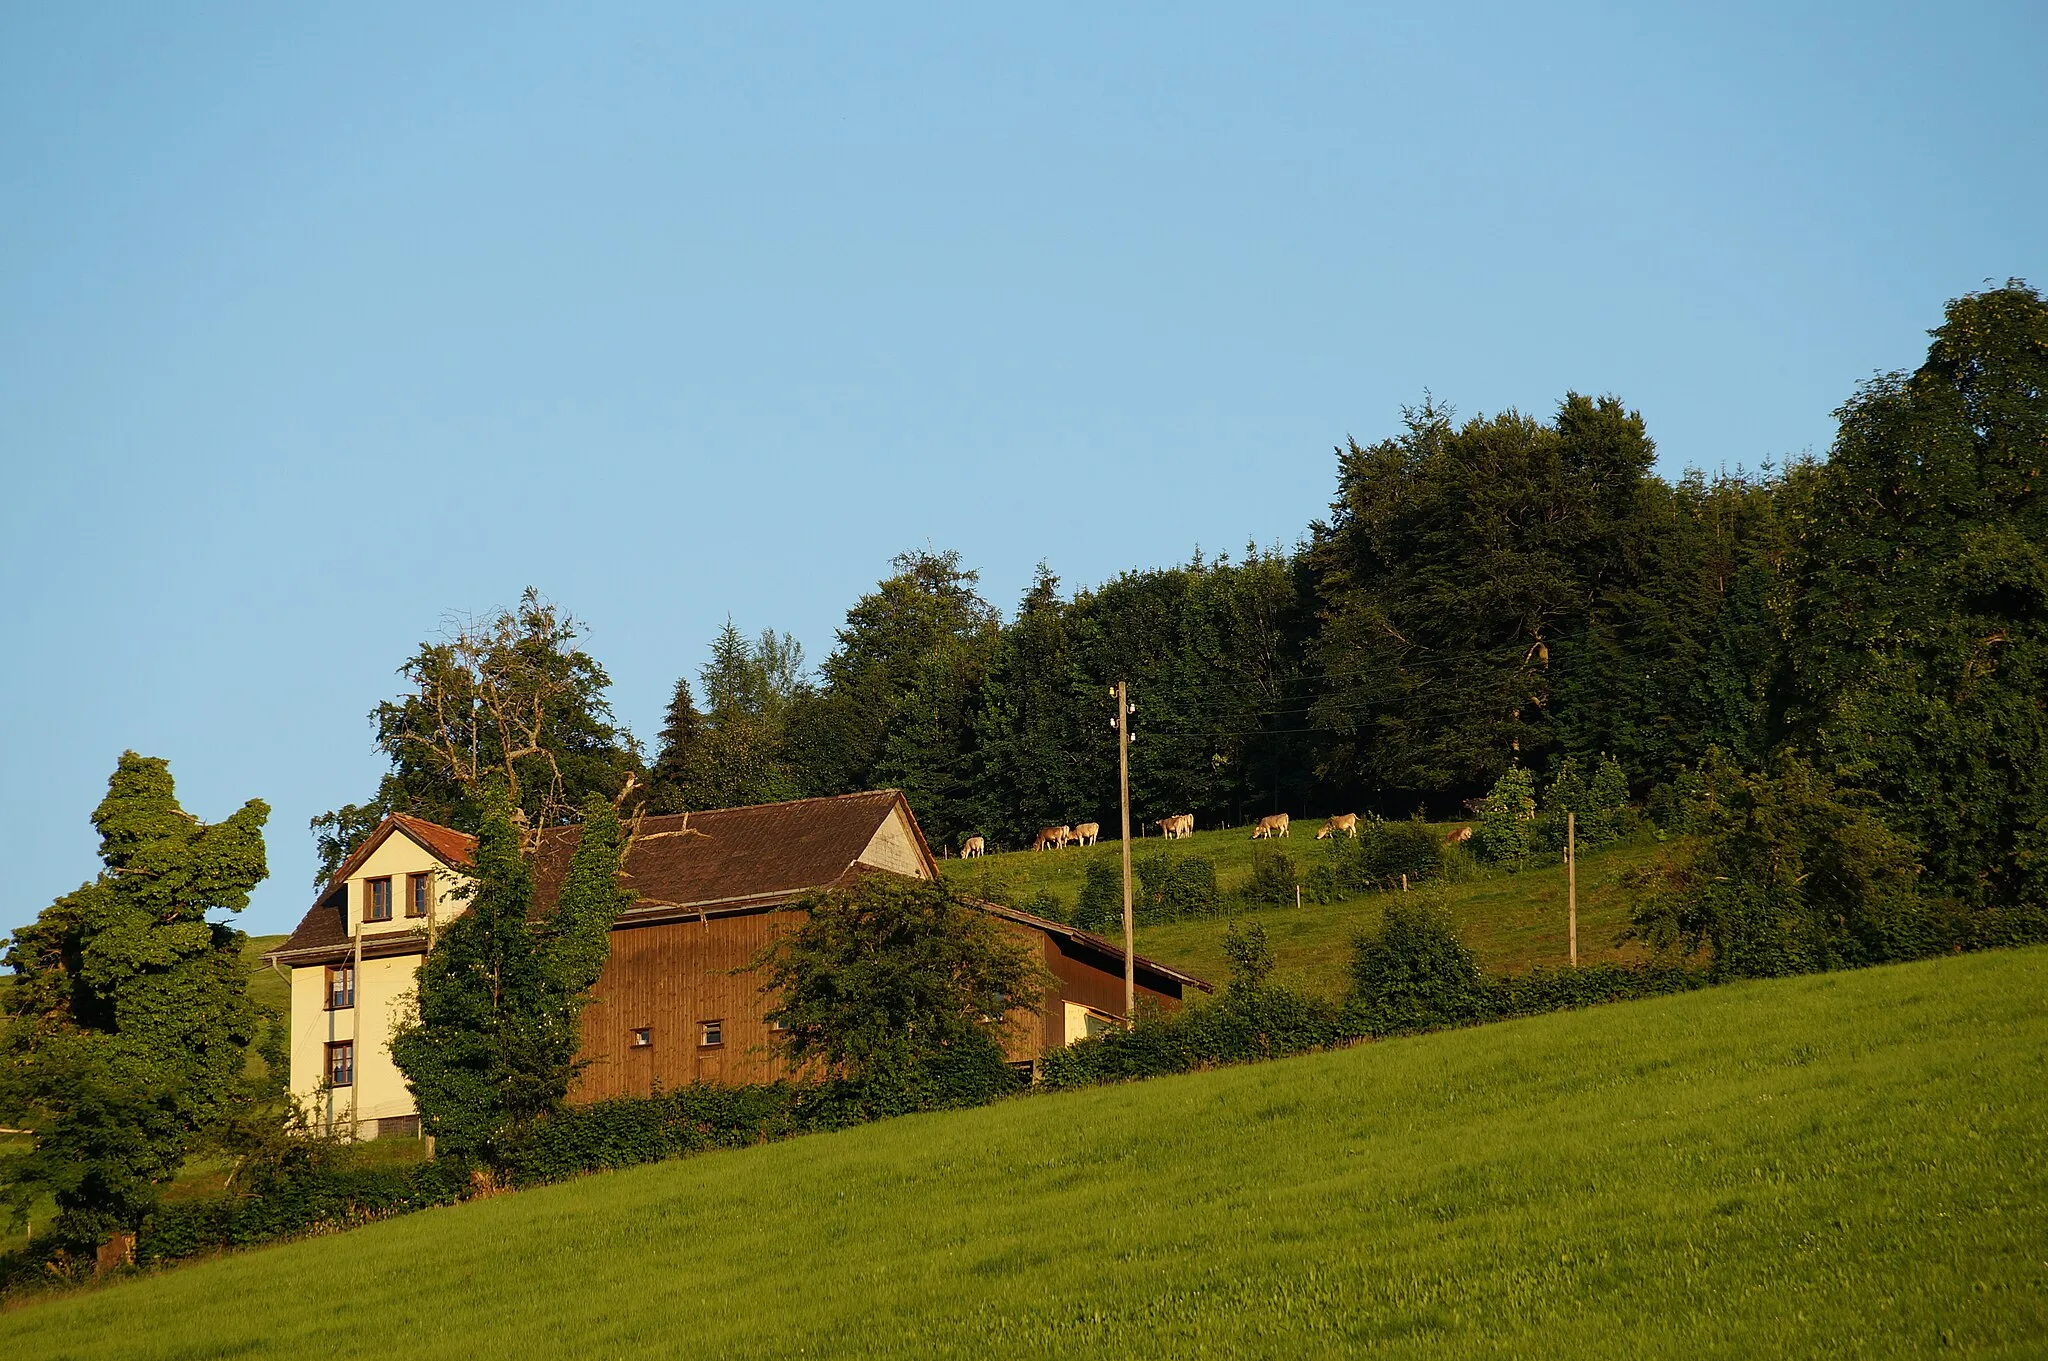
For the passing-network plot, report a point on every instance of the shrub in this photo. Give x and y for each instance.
(1504, 833)
(1174, 888)
(1413, 974)
(1101, 905)
(1273, 879)
(1263, 1023)
(1045, 903)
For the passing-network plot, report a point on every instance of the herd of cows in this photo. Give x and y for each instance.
(1272, 827)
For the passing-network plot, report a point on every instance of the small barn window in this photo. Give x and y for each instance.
(643, 1038)
(376, 900)
(710, 1034)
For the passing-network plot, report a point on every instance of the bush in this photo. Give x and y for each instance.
(1263, 1023)
(1273, 879)
(1505, 830)
(1101, 905)
(1174, 888)
(1542, 990)
(1045, 903)
(1413, 974)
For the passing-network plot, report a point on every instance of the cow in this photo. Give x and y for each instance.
(1052, 838)
(1459, 837)
(1086, 832)
(1343, 822)
(1269, 827)
(1177, 826)
(974, 846)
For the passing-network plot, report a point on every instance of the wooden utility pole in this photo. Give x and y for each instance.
(1571, 880)
(1123, 780)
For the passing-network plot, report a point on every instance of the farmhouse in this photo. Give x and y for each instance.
(675, 1003)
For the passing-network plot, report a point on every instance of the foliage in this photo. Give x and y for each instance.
(1600, 807)
(1920, 646)
(899, 987)
(1506, 830)
(1413, 973)
(129, 1024)
(1100, 904)
(1174, 888)
(1251, 960)
(737, 751)
(492, 1044)
(1264, 1022)
(1786, 873)
(1273, 878)
(1380, 857)
(507, 699)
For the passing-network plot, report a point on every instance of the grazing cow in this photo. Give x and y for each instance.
(1052, 838)
(1271, 826)
(1177, 826)
(1343, 822)
(973, 847)
(1459, 837)
(1086, 832)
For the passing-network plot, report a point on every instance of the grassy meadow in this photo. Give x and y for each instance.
(1845, 1164)
(1513, 922)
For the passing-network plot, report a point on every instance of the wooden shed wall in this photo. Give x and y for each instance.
(672, 977)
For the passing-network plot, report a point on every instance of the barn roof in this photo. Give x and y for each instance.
(684, 864)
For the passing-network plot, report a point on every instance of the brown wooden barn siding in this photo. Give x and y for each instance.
(673, 976)
(670, 978)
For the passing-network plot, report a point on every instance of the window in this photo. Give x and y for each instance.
(376, 900)
(418, 893)
(710, 1034)
(643, 1038)
(341, 1064)
(780, 1025)
(341, 986)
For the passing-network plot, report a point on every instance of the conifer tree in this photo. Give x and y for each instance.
(129, 1023)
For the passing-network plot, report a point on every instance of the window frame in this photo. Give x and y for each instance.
(640, 1037)
(345, 1050)
(711, 1033)
(344, 970)
(419, 894)
(370, 899)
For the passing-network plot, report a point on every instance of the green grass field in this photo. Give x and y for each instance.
(1848, 1164)
(1513, 922)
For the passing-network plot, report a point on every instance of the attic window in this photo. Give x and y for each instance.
(377, 900)
(710, 1034)
(643, 1038)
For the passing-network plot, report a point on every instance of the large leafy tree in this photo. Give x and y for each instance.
(129, 1023)
(899, 692)
(507, 699)
(492, 1044)
(1921, 664)
(896, 984)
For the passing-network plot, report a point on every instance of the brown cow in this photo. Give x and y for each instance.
(1459, 837)
(1087, 832)
(1177, 826)
(1271, 826)
(974, 846)
(1052, 838)
(1343, 822)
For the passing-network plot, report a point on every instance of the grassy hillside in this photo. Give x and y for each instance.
(1512, 921)
(1850, 1164)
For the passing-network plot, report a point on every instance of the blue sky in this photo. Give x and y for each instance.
(317, 325)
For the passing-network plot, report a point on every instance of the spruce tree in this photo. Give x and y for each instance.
(129, 1024)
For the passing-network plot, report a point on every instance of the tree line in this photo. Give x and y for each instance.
(1485, 595)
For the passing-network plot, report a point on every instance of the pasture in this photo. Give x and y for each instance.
(1512, 921)
(1843, 1164)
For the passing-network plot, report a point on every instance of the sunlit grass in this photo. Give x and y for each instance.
(1513, 922)
(1849, 1164)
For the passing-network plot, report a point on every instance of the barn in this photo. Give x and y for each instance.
(675, 1003)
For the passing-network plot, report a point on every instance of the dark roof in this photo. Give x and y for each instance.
(1089, 940)
(685, 863)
